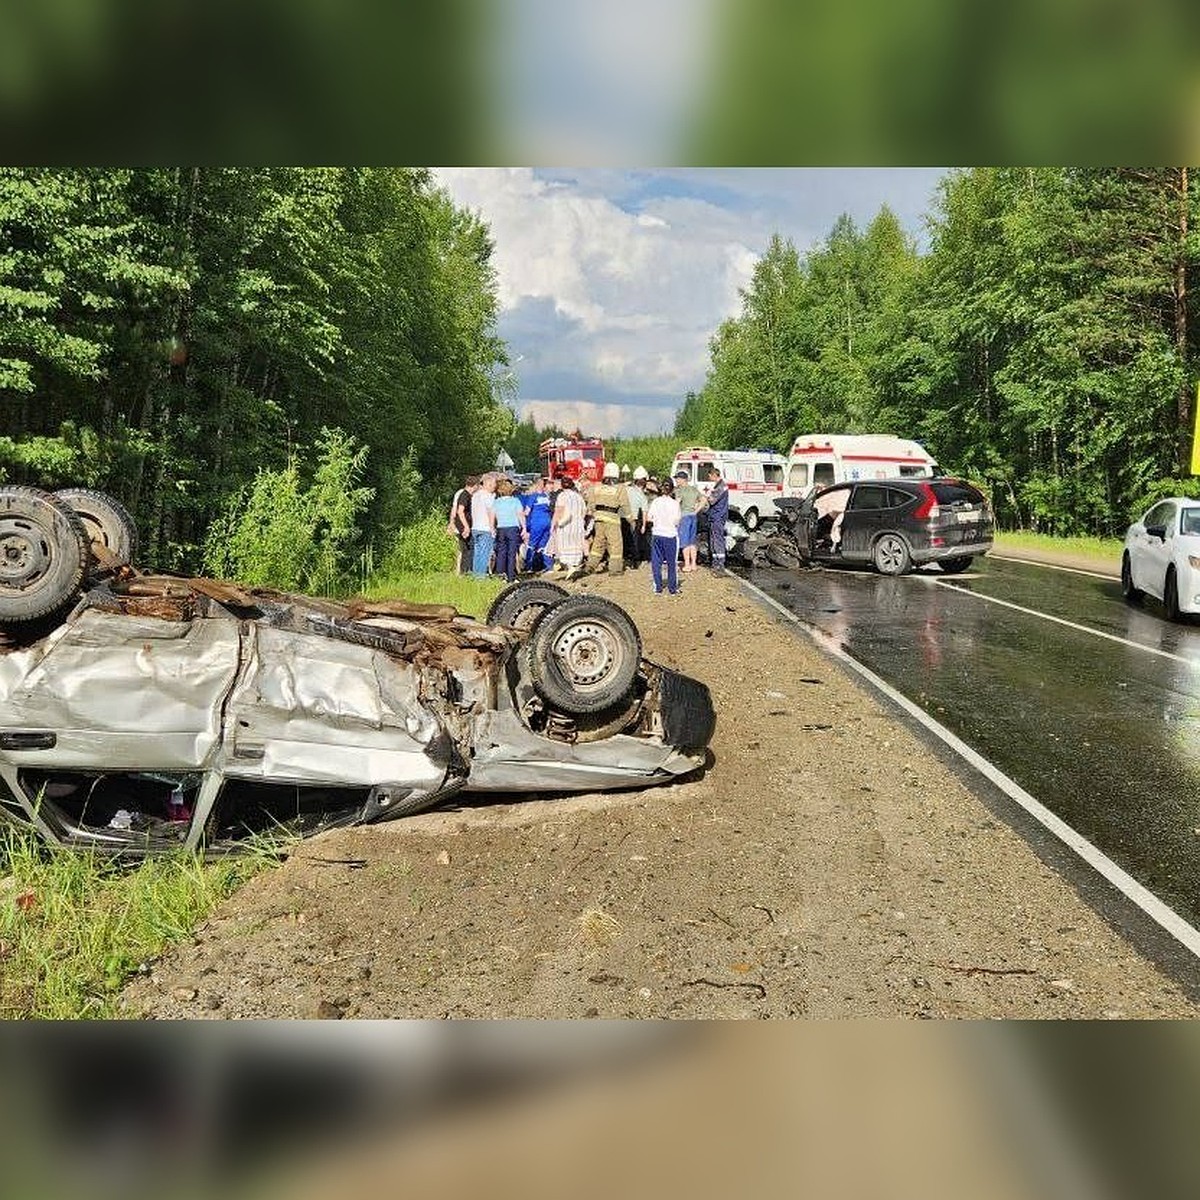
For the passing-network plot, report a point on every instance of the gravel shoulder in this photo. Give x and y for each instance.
(827, 864)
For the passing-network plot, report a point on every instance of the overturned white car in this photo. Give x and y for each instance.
(142, 712)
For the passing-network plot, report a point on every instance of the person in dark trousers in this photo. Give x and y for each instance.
(459, 525)
(718, 511)
(510, 530)
(663, 515)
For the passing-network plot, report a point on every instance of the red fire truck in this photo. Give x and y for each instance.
(578, 457)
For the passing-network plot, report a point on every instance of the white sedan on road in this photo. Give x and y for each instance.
(1162, 556)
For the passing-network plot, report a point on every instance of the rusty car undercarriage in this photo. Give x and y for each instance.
(145, 712)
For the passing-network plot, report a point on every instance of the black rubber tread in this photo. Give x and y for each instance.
(906, 563)
(1171, 596)
(36, 517)
(954, 566)
(1134, 595)
(782, 552)
(106, 521)
(520, 604)
(550, 676)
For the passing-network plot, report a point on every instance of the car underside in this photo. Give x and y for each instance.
(162, 711)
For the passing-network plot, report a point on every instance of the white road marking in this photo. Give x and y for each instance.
(1033, 612)
(1033, 562)
(1165, 916)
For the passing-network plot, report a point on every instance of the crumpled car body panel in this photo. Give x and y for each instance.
(203, 714)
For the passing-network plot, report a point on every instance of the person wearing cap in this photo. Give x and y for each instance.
(632, 530)
(608, 505)
(639, 502)
(718, 509)
(688, 495)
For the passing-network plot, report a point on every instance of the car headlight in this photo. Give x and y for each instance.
(1194, 559)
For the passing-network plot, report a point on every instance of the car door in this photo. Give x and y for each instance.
(1152, 551)
(866, 516)
(827, 506)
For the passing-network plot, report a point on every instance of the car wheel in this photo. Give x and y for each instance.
(43, 554)
(782, 552)
(584, 654)
(750, 519)
(955, 566)
(520, 604)
(107, 523)
(891, 555)
(1171, 597)
(1132, 594)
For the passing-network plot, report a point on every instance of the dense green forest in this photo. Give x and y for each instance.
(196, 341)
(1044, 342)
(279, 369)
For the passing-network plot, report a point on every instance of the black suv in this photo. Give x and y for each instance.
(894, 524)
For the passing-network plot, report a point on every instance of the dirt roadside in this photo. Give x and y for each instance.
(827, 865)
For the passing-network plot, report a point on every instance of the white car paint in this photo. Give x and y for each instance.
(1165, 543)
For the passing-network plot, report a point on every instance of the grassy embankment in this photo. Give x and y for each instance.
(1100, 551)
(75, 926)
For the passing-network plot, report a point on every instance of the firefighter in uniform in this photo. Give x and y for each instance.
(608, 503)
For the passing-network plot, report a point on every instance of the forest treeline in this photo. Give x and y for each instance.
(1044, 342)
(175, 336)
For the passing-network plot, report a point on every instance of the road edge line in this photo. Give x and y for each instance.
(1159, 912)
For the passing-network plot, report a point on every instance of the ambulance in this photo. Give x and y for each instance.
(755, 479)
(818, 459)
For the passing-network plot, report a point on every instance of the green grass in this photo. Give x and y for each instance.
(470, 594)
(75, 926)
(1100, 549)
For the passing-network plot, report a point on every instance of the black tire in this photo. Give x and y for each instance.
(955, 566)
(782, 552)
(584, 655)
(1133, 595)
(520, 604)
(750, 520)
(107, 523)
(43, 554)
(1171, 596)
(891, 555)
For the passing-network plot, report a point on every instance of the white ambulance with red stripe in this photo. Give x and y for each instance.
(755, 478)
(818, 459)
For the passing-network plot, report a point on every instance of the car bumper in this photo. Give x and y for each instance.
(1188, 587)
(964, 550)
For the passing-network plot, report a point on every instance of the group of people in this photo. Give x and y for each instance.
(554, 527)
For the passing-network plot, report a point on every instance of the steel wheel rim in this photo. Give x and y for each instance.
(588, 651)
(26, 555)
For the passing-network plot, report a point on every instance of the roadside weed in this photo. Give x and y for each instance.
(74, 926)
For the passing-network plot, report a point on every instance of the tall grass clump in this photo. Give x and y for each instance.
(75, 925)
(422, 546)
(419, 566)
(295, 529)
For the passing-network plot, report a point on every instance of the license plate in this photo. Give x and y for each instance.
(963, 517)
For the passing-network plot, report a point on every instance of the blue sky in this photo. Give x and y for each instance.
(612, 281)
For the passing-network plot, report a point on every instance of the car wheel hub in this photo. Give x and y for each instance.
(587, 651)
(24, 556)
(889, 552)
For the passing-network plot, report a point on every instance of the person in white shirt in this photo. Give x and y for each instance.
(663, 518)
(483, 525)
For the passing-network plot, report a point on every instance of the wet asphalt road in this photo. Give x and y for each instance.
(1089, 704)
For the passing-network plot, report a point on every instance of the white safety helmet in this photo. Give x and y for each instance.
(612, 471)
(640, 473)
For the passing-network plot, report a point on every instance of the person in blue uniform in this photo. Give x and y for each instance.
(539, 507)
